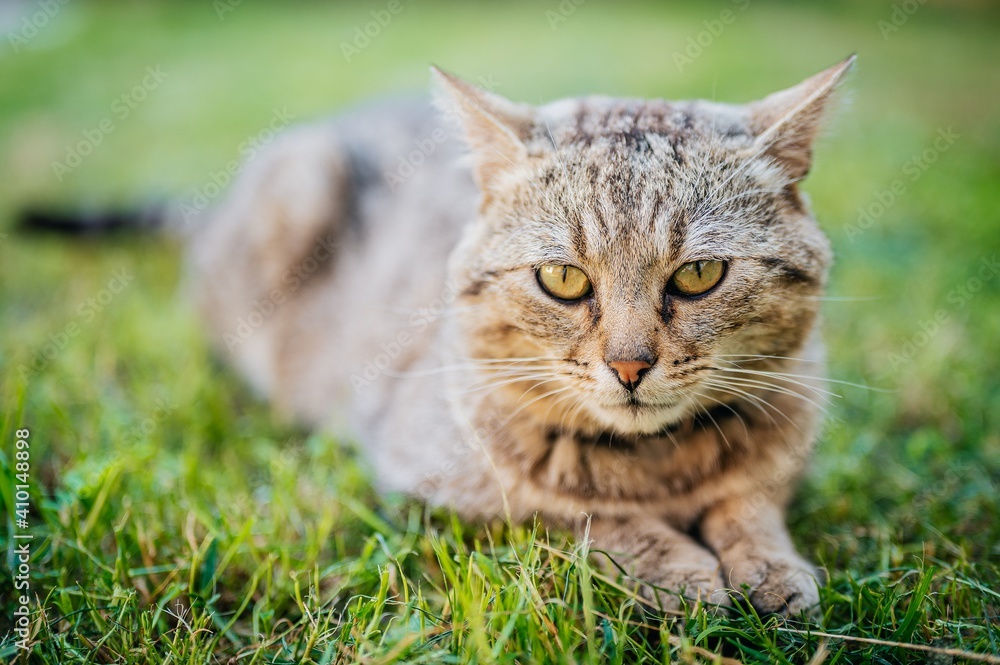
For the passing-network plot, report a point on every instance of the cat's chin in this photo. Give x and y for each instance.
(638, 418)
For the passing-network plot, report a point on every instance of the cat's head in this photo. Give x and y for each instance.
(629, 252)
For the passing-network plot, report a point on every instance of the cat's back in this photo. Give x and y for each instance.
(402, 157)
(331, 248)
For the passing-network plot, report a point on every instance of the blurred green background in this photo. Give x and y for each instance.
(144, 449)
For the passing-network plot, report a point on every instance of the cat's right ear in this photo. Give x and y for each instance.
(787, 122)
(495, 128)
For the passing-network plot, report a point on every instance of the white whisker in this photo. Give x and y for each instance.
(702, 409)
(736, 413)
(777, 376)
(755, 400)
(806, 376)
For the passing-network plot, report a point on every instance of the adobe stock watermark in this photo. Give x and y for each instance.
(913, 169)
(365, 34)
(696, 44)
(409, 163)
(223, 7)
(21, 546)
(451, 464)
(566, 9)
(86, 312)
(291, 281)
(419, 321)
(121, 108)
(958, 299)
(33, 24)
(201, 197)
(426, 146)
(900, 14)
(945, 486)
(141, 430)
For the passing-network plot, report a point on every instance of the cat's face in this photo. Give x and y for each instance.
(631, 255)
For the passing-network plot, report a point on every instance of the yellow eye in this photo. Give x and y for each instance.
(697, 277)
(564, 282)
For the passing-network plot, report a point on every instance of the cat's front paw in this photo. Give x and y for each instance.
(779, 583)
(674, 584)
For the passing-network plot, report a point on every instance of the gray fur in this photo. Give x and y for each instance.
(404, 312)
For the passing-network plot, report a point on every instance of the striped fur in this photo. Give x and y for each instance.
(400, 307)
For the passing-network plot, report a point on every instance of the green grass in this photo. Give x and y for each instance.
(175, 519)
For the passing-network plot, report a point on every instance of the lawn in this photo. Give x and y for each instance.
(174, 518)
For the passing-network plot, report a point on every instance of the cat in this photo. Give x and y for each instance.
(602, 312)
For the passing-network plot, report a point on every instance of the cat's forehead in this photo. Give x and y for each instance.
(646, 156)
(625, 126)
(625, 219)
(633, 181)
(608, 191)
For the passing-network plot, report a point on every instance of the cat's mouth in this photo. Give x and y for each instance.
(633, 402)
(673, 400)
(644, 417)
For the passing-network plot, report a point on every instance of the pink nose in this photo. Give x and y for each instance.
(630, 371)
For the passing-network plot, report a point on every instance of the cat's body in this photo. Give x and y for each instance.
(349, 278)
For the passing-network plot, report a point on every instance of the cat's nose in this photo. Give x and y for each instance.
(630, 372)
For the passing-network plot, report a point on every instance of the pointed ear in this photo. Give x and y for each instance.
(787, 122)
(495, 128)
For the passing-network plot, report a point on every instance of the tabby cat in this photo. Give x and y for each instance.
(599, 311)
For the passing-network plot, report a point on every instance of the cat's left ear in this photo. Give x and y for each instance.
(787, 122)
(495, 128)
